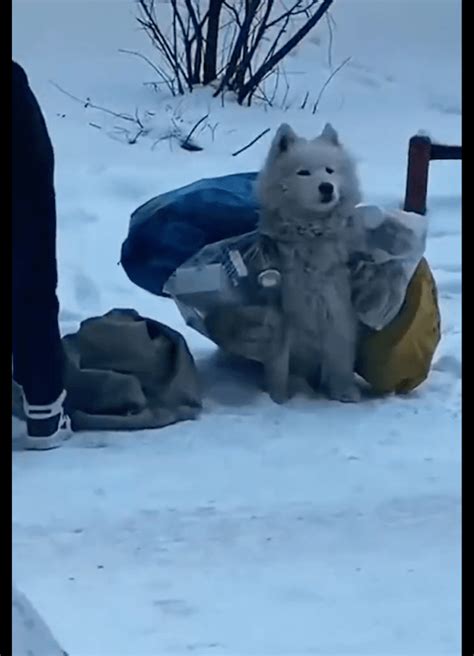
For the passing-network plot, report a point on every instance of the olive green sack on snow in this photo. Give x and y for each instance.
(126, 372)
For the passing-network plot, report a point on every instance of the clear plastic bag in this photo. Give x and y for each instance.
(385, 247)
(393, 244)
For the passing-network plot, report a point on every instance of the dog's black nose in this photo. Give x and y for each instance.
(326, 189)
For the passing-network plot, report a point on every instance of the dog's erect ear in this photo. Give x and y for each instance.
(284, 140)
(330, 134)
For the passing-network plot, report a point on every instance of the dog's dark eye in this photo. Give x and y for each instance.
(303, 172)
(330, 171)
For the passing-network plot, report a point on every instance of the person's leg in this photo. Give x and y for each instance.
(37, 350)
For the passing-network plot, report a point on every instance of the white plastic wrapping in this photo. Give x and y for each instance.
(385, 248)
(393, 245)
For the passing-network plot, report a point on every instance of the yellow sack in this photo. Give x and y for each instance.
(398, 357)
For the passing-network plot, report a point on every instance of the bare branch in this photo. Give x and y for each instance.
(234, 13)
(335, 71)
(283, 51)
(178, 20)
(239, 45)
(196, 73)
(160, 41)
(329, 21)
(132, 137)
(165, 78)
(293, 11)
(198, 44)
(88, 104)
(186, 143)
(210, 55)
(237, 152)
(212, 129)
(258, 37)
(303, 104)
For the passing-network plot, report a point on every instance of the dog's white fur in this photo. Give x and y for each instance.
(308, 232)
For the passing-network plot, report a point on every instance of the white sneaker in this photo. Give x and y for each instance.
(48, 426)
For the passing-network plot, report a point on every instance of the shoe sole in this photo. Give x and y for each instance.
(45, 443)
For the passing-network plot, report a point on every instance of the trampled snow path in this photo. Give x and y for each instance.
(307, 529)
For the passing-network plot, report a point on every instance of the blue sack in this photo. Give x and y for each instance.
(169, 229)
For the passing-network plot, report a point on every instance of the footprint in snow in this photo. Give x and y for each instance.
(450, 287)
(174, 607)
(449, 364)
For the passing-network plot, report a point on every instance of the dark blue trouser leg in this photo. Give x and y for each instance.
(37, 349)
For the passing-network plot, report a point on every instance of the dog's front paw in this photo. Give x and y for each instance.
(277, 387)
(279, 396)
(346, 394)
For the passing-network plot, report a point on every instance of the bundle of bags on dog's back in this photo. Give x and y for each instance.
(200, 245)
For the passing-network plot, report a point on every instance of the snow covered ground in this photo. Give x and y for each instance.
(313, 528)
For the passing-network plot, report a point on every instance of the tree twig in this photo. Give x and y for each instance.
(330, 24)
(239, 44)
(136, 120)
(159, 40)
(87, 103)
(165, 78)
(186, 142)
(335, 71)
(251, 143)
(196, 73)
(303, 104)
(287, 47)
